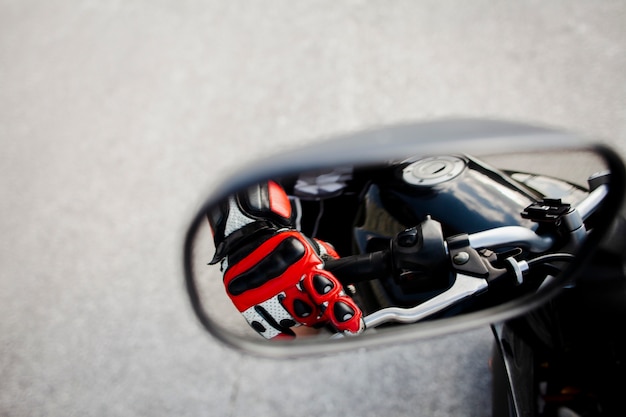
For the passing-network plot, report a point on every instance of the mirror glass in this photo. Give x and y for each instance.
(420, 238)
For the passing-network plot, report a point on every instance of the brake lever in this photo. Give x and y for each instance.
(464, 286)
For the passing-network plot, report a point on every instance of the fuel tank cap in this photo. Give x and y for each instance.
(433, 170)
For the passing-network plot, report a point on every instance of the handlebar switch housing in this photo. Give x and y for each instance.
(419, 256)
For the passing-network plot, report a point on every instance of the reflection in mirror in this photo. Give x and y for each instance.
(349, 250)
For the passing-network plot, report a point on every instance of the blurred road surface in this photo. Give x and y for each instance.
(117, 117)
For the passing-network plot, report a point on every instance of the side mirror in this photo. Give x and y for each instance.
(440, 227)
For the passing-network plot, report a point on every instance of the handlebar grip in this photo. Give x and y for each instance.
(357, 268)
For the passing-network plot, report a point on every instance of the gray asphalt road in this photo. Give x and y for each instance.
(116, 118)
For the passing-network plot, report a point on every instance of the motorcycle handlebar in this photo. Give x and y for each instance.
(368, 266)
(526, 238)
(374, 265)
(358, 268)
(589, 205)
(511, 236)
(377, 264)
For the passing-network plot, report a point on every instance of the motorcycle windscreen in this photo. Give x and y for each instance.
(423, 230)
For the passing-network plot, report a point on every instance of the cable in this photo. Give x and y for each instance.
(319, 217)
(552, 257)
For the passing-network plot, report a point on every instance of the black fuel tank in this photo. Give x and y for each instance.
(460, 192)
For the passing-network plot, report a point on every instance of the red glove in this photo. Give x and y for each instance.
(281, 284)
(276, 278)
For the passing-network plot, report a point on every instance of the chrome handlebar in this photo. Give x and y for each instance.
(511, 236)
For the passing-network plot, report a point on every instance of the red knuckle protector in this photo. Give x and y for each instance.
(276, 265)
(345, 315)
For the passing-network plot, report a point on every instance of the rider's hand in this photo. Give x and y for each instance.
(281, 284)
